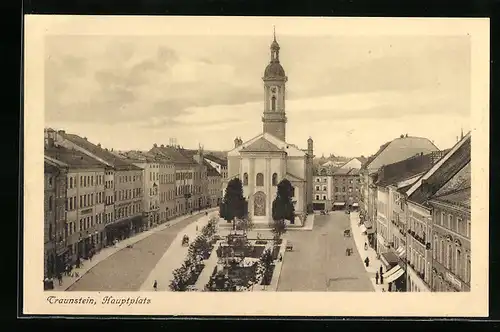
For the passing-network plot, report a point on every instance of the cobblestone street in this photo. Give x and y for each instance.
(127, 269)
(318, 261)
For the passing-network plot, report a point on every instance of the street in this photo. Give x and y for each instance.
(318, 261)
(127, 269)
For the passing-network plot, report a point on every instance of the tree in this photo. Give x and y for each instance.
(246, 224)
(233, 203)
(283, 208)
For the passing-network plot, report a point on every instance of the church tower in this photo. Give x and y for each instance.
(274, 118)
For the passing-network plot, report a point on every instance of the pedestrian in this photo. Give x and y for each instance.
(376, 278)
(281, 258)
(206, 213)
(155, 285)
(367, 261)
(381, 279)
(197, 227)
(366, 246)
(380, 270)
(60, 279)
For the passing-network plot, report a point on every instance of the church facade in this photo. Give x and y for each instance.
(263, 161)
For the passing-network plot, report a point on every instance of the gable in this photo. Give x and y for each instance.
(290, 149)
(261, 145)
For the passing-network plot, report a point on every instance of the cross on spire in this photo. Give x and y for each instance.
(274, 32)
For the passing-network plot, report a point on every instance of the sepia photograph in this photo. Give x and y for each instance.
(298, 157)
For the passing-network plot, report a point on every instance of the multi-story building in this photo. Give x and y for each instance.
(84, 228)
(322, 192)
(214, 185)
(185, 168)
(126, 180)
(201, 196)
(54, 218)
(346, 185)
(391, 152)
(435, 192)
(391, 214)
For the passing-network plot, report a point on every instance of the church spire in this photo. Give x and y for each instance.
(275, 48)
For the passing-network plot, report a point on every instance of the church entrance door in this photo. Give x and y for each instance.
(259, 204)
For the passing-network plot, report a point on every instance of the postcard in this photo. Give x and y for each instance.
(256, 166)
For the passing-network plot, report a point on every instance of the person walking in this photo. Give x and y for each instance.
(381, 279)
(60, 279)
(376, 278)
(367, 261)
(155, 285)
(366, 246)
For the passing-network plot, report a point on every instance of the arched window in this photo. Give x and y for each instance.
(275, 179)
(50, 203)
(293, 191)
(259, 180)
(317, 197)
(245, 179)
(273, 103)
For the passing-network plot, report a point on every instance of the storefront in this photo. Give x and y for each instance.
(338, 206)
(118, 231)
(395, 275)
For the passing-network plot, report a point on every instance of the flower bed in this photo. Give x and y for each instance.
(276, 252)
(268, 275)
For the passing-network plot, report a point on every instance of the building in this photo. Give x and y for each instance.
(391, 214)
(185, 169)
(346, 185)
(263, 161)
(123, 179)
(214, 185)
(54, 218)
(84, 207)
(158, 185)
(391, 152)
(218, 163)
(427, 199)
(322, 192)
(200, 196)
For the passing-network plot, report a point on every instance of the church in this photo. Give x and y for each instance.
(263, 161)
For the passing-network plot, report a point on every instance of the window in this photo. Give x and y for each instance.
(458, 264)
(442, 253)
(336, 189)
(460, 226)
(324, 187)
(317, 197)
(467, 270)
(450, 221)
(275, 179)
(273, 103)
(443, 219)
(259, 179)
(317, 188)
(324, 197)
(343, 189)
(435, 248)
(449, 260)
(468, 228)
(50, 203)
(317, 180)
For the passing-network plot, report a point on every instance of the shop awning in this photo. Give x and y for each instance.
(368, 224)
(355, 205)
(391, 271)
(339, 203)
(389, 259)
(402, 252)
(400, 249)
(362, 228)
(394, 276)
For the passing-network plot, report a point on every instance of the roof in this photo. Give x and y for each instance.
(49, 167)
(261, 145)
(71, 158)
(136, 156)
(211, 171)
(101, 153)
(215, 159)
(399, 149)
(352, 163)
(405, 169)
(274, 70)
(441, 172)
(175, 154)
(459, 197)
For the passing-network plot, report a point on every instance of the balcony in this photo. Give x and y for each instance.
(418, 238)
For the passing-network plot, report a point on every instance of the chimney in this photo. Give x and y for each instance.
(155, 146)
(85, 138)
(237, 142)
(162, 146)
(111, 149)
(99, 145)
(62, 132)
(401, 136)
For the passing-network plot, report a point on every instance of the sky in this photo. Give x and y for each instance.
(350, 94)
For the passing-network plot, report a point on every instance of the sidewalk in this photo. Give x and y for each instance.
(105, 253)
(205, 275)
(360, 241)
(174, 256)
(277, 272)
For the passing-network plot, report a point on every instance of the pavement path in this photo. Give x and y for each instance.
(318, 261)
(125, 269)
(360, 239)
(172, 257)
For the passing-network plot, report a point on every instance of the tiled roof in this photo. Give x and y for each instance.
(49, 167)
(346, 171)
(459, 181)
(437, 177)
(459, 197)
(136, 156)
(174, 154)
(261, 145)
(400, 149)
(405, 169)
(72, 158)
(105, 155)
(217, 160)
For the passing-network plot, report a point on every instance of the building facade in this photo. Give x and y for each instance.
(262, 162)
(218, 163)
(322, 192)
(84, 206)
(346, 185)
(214, 186)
